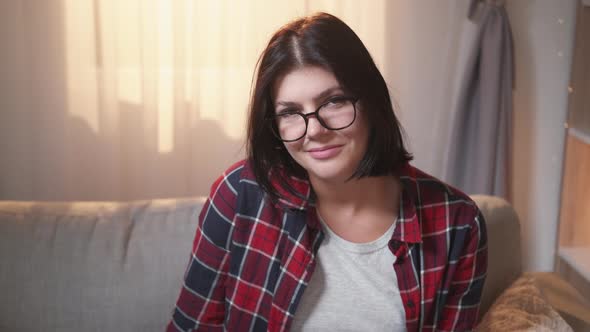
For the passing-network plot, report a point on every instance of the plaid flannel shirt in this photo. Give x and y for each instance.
(252, 259)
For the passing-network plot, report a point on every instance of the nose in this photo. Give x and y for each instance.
(314, 127)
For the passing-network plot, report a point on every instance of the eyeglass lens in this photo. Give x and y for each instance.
(334, 115)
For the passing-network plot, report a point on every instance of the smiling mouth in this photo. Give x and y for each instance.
(325, 152)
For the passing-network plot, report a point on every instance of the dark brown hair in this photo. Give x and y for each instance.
(321, 40)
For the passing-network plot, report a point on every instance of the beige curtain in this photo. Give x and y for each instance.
(135, 99)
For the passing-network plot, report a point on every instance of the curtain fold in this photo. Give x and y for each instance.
(480, 139)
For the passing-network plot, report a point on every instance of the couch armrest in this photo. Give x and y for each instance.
(504, 253)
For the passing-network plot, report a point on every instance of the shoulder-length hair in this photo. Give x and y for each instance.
(321, 40)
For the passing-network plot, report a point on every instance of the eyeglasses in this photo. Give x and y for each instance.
(337, 113)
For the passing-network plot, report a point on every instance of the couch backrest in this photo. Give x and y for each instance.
(101, 266)
(93, 266)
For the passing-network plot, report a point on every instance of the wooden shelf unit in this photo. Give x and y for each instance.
(573, 245)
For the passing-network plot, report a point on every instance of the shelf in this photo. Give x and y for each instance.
(578, 258)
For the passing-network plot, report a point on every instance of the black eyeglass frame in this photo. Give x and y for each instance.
(306, 117)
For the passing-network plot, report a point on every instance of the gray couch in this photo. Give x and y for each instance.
(105, 266)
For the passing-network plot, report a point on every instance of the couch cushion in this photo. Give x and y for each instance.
(93, 266)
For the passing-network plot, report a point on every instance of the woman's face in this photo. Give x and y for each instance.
(327, 155)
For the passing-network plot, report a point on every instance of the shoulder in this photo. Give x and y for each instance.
(294, 193)
(226, 198)
(448, 218)
(231, 187)
(237, 190)
(234, 176)
(437, 200)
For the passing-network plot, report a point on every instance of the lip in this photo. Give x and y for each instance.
(325, 152)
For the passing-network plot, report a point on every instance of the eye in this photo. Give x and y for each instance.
(337, 101)
(287, 113)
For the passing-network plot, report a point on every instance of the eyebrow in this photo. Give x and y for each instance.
(317, 98)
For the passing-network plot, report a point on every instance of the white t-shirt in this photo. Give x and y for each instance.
(353, 288)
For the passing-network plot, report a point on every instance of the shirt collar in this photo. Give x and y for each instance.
(301, 198)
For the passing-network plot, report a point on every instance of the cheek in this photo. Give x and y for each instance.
(358, 132)
(292, 148)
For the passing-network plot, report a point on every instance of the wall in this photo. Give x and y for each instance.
(543, 38)
(420, 74)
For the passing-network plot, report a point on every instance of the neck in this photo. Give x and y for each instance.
(357, 194)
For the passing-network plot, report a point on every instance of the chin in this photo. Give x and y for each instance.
(330, 173)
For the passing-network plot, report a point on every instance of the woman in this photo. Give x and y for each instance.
(325, 226)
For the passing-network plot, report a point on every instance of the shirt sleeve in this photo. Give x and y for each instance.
(201, 303)
(461, 310)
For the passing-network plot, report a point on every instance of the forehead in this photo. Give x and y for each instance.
(302, 84)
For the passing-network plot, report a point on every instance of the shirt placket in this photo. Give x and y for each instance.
(408, 282)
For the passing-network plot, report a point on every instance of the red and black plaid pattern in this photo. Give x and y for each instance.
(251, 259)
